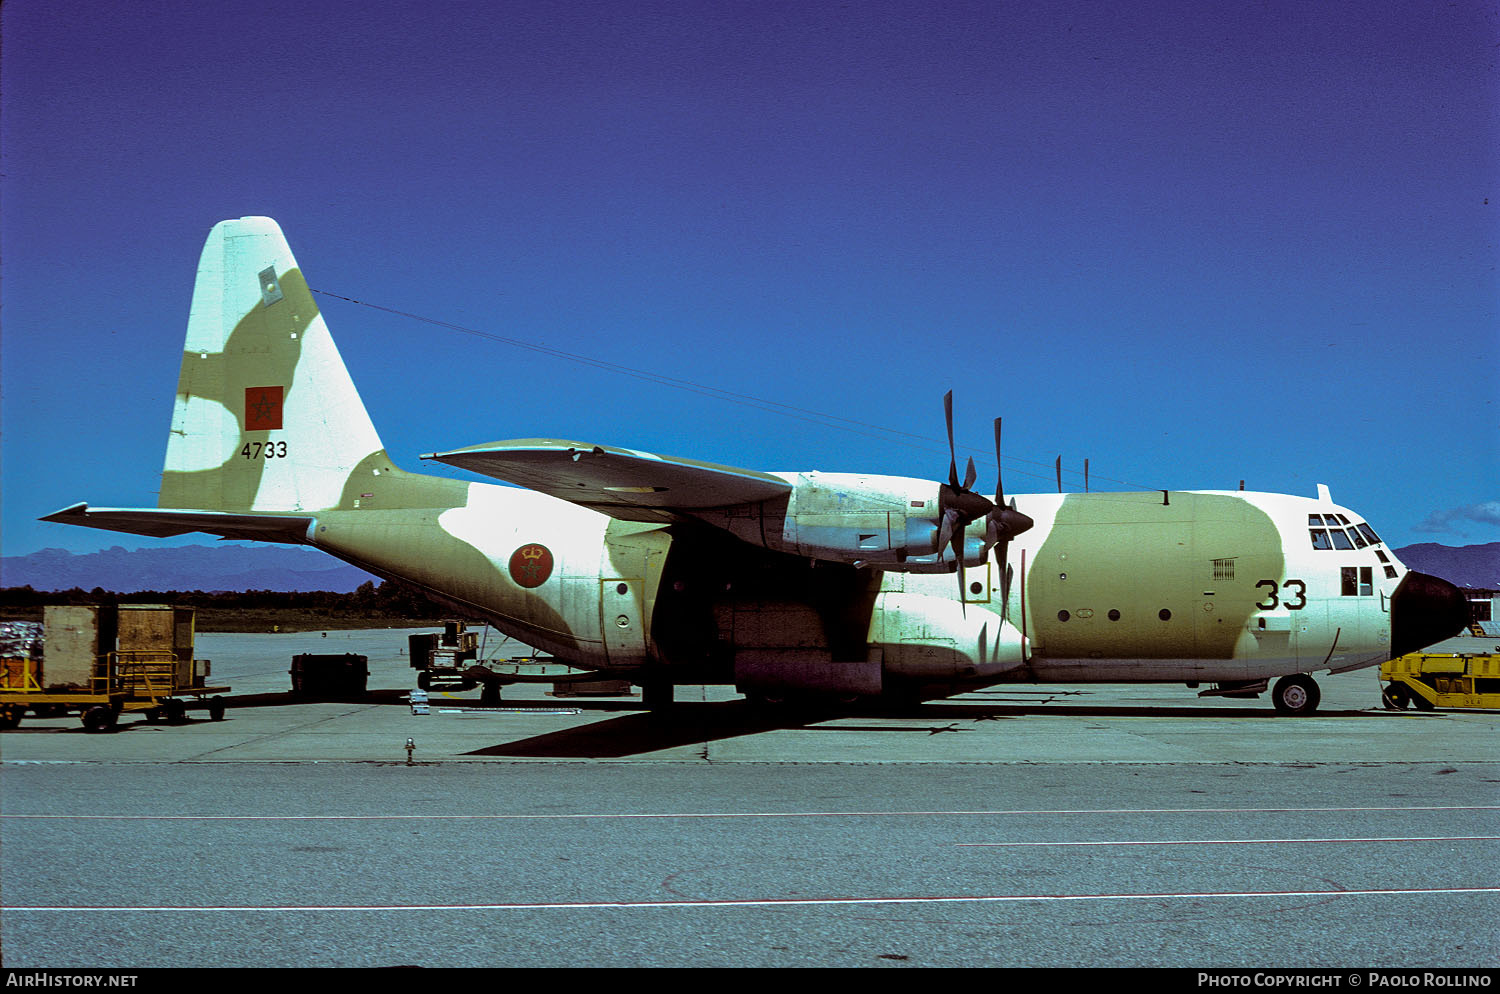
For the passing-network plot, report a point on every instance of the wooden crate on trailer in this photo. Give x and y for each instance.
(78, 636)
(158, 632)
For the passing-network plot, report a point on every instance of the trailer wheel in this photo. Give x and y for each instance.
(176, 711)
(1396, 697)
(1295, 695)
(216, 709)
(10, 716)
(98, 719)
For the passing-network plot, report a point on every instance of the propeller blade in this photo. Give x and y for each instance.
(970, 475)
(1059, 474)
(945, 529)
(958, 553)
(999, 471)
(1006, 577)
(952, 457)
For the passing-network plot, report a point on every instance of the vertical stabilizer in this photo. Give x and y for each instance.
(266, 416)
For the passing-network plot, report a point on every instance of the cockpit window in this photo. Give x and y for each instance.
(1328, 532)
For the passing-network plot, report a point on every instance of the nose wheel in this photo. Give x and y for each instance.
(1295, 695)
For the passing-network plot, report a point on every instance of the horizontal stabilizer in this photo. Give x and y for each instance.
(623, 483)
(166, 522)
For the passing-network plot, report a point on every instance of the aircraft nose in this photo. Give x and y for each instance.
(1425, 609)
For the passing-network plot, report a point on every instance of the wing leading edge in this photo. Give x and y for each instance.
(623, 483)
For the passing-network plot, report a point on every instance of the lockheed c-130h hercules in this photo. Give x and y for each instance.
(667, 571)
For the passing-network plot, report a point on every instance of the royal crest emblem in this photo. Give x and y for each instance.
(530, 565)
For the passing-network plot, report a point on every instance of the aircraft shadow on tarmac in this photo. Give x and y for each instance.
(685, 724)
(633, 731)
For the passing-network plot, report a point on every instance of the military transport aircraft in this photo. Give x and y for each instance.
(666, 571)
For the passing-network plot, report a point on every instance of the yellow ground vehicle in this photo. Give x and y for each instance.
(1441, 680)
(103, 661)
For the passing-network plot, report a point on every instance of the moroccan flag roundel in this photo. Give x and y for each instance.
(530, 565)
(263, 408)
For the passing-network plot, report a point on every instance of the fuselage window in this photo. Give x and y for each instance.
(1369, 533)
(1320, 538)
(1356, 581)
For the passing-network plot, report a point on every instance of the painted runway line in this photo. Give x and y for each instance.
(1238, 842)
(747, 902)
(625, 816)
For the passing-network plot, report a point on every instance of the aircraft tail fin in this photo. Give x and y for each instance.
(267, 418)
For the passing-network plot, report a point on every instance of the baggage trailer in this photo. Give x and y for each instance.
(102, 661)
(1428, 680)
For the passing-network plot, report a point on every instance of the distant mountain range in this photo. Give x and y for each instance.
(272, 567)
(187, 567)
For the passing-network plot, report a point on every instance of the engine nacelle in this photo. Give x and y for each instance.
(915, 641)
(936, 639)
(891, 522)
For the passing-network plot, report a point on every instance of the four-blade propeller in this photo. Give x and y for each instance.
(959, 506)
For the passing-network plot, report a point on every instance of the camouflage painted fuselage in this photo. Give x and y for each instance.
(794, 582)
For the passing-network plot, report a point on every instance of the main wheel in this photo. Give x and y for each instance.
(1295, 695)
(656, 695)
(99, 719)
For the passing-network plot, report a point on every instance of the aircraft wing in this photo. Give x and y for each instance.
(166, 522)
(623, 483)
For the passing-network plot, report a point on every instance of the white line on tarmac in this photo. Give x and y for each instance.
(756, 902)
(751, 814)
(1241, 842)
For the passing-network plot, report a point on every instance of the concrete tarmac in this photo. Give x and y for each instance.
(1020, 826)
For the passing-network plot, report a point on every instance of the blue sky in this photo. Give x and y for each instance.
(1194, 243)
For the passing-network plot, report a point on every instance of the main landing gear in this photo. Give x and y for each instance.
(1295, 695)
